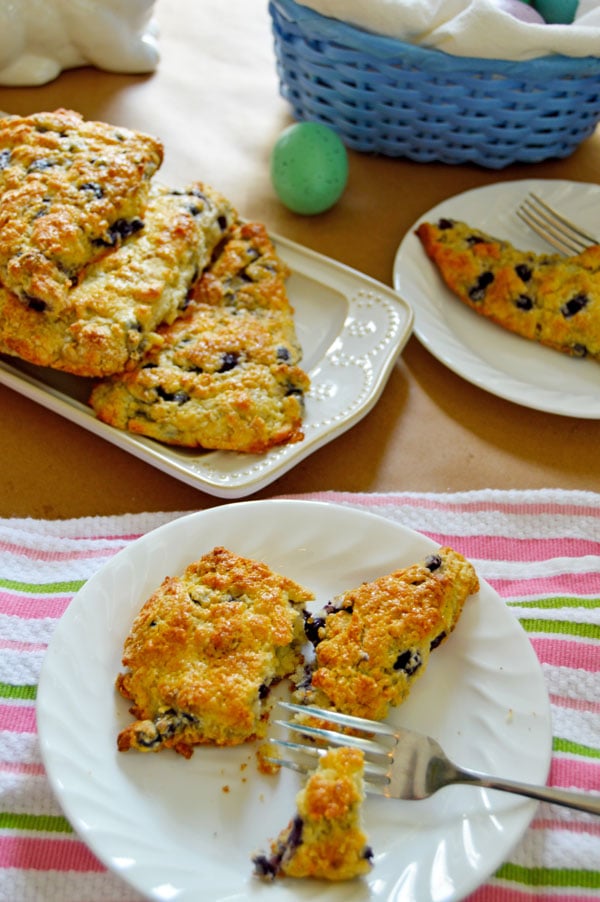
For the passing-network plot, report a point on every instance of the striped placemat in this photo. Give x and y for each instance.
(540, 550)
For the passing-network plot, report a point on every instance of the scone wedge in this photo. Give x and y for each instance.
(204, 651)
(225, 375)
(374, 641)
(69, 190)
(547, 298)
(110, 317)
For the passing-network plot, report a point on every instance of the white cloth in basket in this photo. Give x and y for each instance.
(476, 28)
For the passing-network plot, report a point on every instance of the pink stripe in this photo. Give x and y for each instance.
(17, 718)
(501, 893)
(566, 653)
(501, 548)
(34, 607)
(47, 855)
(516, 508)
(575, 704)
(126, 538)
(562, 583)
(587, 827)
(17, 767)
(23, 646)
(574, 772)
(38, 554)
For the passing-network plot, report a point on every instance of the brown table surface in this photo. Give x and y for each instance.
(214, 101)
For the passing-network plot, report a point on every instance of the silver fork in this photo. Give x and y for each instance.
(402, 764)
(562, 234)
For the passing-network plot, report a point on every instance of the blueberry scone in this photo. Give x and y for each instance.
(69, 190)
(225, 375)
(325, 839)
(547, 298)
(373, 642)
(204, 651)
(109, 318)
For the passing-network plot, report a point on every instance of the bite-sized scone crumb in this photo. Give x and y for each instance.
(264, 753)
(326, 838)
(372, 642)
(69, 189)
(547, 298)
(204, 651)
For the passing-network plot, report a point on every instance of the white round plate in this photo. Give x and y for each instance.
(179, 829)
(481, 351)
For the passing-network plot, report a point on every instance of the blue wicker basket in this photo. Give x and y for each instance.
(389, 97)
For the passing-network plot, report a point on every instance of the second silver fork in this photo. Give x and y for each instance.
(559, 232)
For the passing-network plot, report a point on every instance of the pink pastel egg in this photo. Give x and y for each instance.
(520, 10)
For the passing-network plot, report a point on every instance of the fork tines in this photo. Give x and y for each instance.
(377, 753)
(562, 234)
(345, 720)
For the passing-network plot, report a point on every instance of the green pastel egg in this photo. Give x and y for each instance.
(309, 167)
(557, 12)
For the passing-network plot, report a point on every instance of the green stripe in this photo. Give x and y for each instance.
(549, 876)
(558, 601)
(574, 748)
(27, 693)
(42, 588)
(562, 627)
(46, 823)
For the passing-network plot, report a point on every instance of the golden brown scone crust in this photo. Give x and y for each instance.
(326, 838)
(248, 274)
(547, 298)
(225, 375)
(204, 650)
(110, 317)
(69, 189)
(372, 642)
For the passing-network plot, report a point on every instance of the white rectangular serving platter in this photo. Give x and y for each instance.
(352, 330)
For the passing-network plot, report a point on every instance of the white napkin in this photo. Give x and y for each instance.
(475, 28)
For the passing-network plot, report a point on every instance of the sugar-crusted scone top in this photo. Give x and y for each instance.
(224, 375)
(374, 641)
(547, 298)
(108, 319)
(69, 189)
(204, 650)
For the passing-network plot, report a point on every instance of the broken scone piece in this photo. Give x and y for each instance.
(326, 838)
(373, 642)
(204, 651)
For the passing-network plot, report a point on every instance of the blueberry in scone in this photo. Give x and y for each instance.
(204, 651)
(325, 838)
(547, 298)
(372, 642)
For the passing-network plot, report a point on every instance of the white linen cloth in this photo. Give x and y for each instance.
(475, 28)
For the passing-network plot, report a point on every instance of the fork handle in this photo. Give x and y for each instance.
(565, 797)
